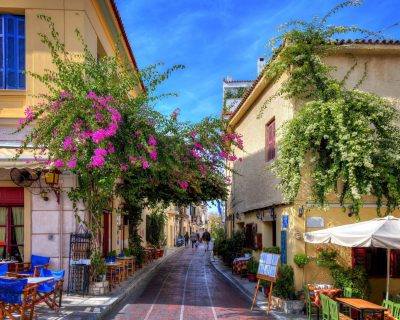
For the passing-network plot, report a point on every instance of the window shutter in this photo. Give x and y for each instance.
(14, 48)
(270, 140)
(2, 56)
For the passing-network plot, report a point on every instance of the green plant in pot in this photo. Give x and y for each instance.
(284, 285)
(98, 267)
(301, 260)
(275, 250)
(252, 269)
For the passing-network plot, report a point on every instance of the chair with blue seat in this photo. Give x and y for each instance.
(3, 269)
(34, 267)
(17, 298)
(50, 292)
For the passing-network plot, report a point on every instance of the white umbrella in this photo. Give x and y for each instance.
(379, 232)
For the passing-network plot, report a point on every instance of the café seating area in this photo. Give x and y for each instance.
(25, 285)
(328, 303)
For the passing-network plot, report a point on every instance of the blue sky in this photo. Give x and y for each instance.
(216, 38)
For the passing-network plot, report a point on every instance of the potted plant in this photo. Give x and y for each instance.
(326, 257)
(252, 268)
(98, 285)
(283, 293)
(275, 250)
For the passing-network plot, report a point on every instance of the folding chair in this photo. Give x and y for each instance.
(34, 267)
(51, 292)
(3, 269)
(17, 299)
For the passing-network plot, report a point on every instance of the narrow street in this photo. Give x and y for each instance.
(188, 287)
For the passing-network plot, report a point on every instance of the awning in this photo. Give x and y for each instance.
(26, 159)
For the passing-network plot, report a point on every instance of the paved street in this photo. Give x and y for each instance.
(187, 287)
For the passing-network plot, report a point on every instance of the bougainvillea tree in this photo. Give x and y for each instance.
(350, 139)
(98, 123)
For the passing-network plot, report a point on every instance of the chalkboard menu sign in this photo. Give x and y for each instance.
(268, 267)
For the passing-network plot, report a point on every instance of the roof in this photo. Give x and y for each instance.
(124, 36)
(250, 90)
(234, 81)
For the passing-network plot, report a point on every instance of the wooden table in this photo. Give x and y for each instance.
(362, 306)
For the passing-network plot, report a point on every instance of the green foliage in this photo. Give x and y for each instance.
(230, 248)
(355, 278)
(98, 266)
(112, 253)
(98, 123)
(136, 249)
(327, 257)
(275, 250)
(215, 225)
(301, 259)
(349, 139)
(252, 266)
(155, 225)
(284, 285)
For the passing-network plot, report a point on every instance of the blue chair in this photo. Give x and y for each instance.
(51, 292)
(3, 269)
(16, 297)
(34, 267)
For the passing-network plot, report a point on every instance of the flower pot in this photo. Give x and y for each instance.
(252, 277)
(99, 288)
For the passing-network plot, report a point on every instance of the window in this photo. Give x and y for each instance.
(12, 51)
(270, 140)
(374, 261)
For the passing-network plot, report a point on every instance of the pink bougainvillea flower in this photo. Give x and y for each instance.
(77, 125)
(59, 163)
(85, 135)
(99, 135)
(195, 153)
(111, 130)
(124, 167)
(133, 160)
(145, 164)
(152, 141)
(65, 95)
(72, 163)
(101, 152)
(68, 144)
(202, 169)
(91, 95)
(224, 154)
(193, 134)
(99, 117)
(55, 105)
(97, 161)
(115, 115)
(232, 157)
(175, 113)
(110, 148)
(29, 114)
(183, 184)
(199, 146)
(153, 155)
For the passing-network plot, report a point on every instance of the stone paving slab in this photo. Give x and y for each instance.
(247, 288)
(75, 307)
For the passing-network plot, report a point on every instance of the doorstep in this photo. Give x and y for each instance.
(247, 288)
(76, 307)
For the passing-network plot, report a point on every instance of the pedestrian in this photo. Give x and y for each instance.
(193, 240)
(206, 238)
(186, 238)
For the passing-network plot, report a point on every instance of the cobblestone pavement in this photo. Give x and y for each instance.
(187, 287)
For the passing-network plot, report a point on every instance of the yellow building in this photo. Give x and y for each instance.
(43, 226)
(258, 208)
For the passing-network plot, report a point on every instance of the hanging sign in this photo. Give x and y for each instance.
(285, 221)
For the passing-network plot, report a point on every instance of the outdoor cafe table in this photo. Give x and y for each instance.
(362, 306)
(331, 293)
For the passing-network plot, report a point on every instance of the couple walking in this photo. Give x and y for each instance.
(195, 239)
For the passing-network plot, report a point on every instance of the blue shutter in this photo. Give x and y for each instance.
(14, 48)
(2, 56)
(283, 247)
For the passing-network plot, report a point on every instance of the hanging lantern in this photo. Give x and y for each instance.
(52, 177)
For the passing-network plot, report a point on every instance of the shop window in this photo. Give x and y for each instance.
(12, 51)
(270, 140)
(374, 261)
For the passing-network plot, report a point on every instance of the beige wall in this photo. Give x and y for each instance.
(255, 186)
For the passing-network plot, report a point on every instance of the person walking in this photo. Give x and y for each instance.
(186, 238)
(193, 240)
(206, 238)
